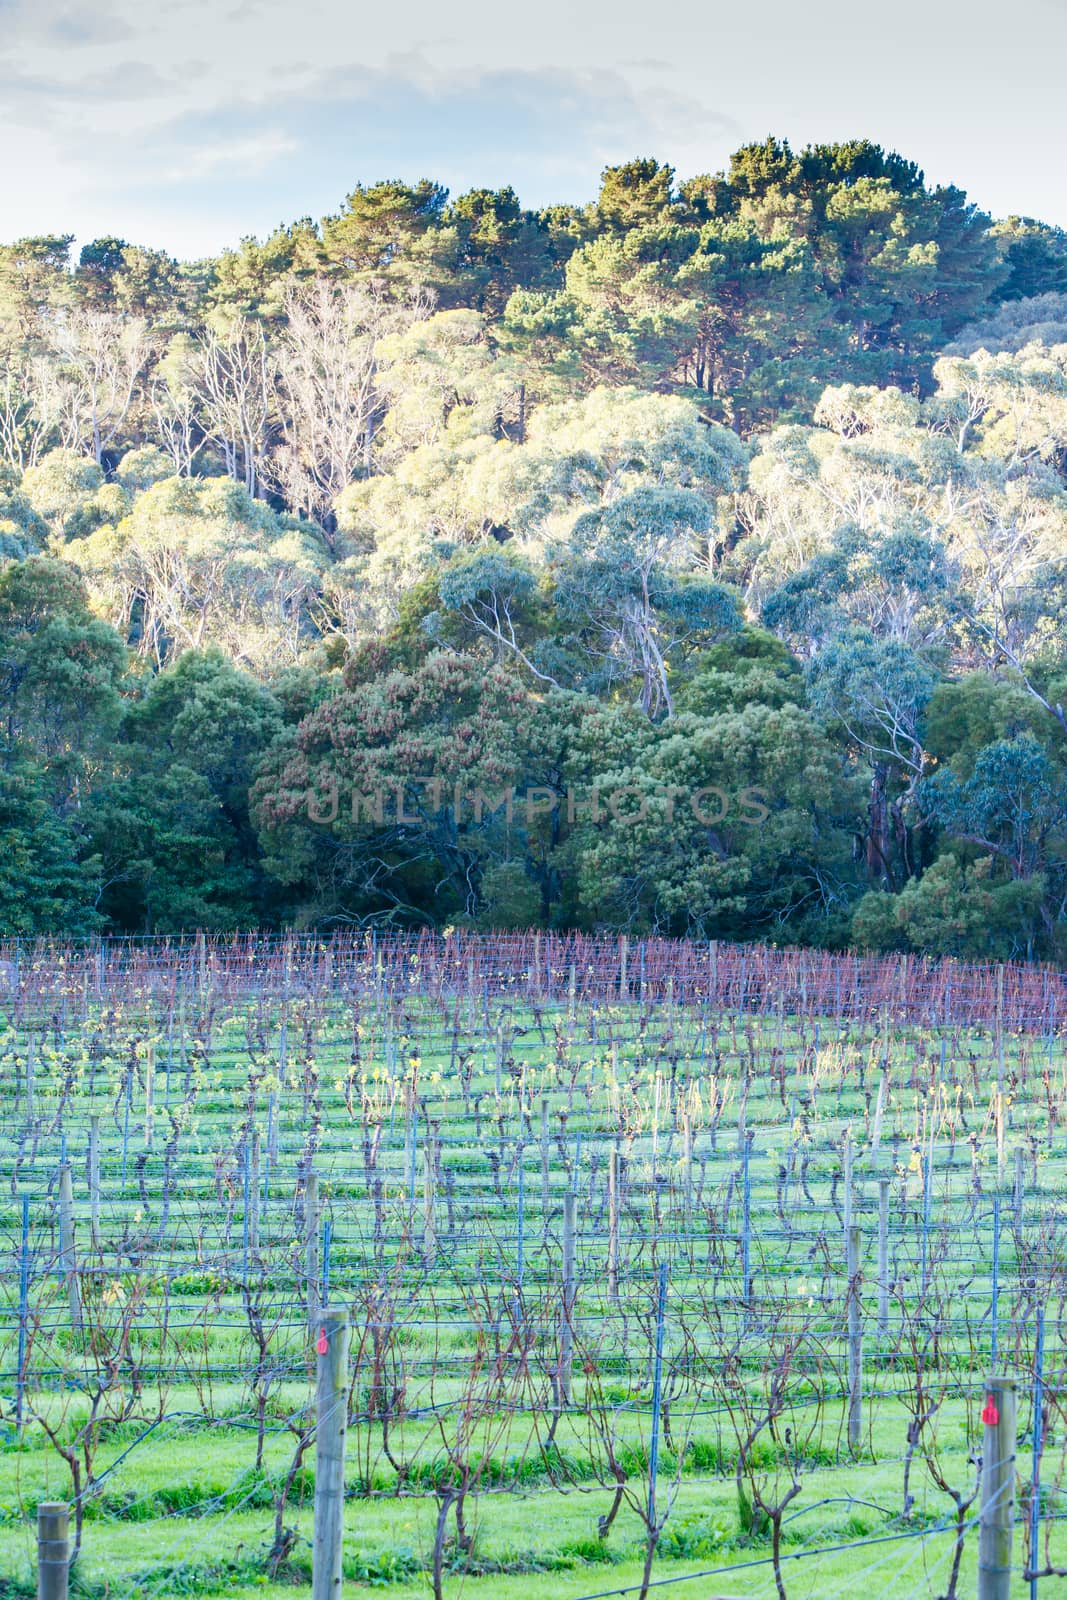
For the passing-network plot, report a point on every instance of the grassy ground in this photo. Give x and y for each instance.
(410, 1087)
(541, 1544)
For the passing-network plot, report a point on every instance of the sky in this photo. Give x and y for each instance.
(190, 125)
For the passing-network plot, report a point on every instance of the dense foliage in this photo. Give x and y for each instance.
(732, 513)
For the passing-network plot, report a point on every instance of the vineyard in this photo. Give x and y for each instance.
(655, 1267)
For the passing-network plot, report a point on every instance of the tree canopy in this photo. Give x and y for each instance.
(691, 561)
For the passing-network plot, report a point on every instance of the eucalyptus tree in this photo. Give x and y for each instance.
(199, 562)
(104, 356)
(329, 402)
(627, 582)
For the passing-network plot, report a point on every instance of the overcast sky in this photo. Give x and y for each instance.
(191, 123)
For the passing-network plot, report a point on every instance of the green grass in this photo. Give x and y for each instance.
(185, 1511)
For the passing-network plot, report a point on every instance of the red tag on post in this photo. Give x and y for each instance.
(990, 1414)
(322, 1344)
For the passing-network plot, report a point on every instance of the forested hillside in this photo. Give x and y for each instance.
(751, 484)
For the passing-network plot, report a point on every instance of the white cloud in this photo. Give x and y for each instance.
(192, 125)
(238, 157)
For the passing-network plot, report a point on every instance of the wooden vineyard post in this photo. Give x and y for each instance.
(253, 1194)
(411, 1133)
(742, 1117)
(24, 1313)
(846, 1175)
(520, 1237)
(94, 1180)
(273, 1118)
(29, 1079)
(995, 1295)
(545, 1170)
(53, 1550)
(928, 1179)
(68, 1261)
(429, 1226)
(149, 1091)
(879, 1112)
(746, 1224)
(687, 1171)
(1037, 1444)
(566, 1325)
(657, 1395)
(614, 1164)
(855, 1343)
(883, 1255)
(331, 1419)
(311, 1246)
(997, 1492)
